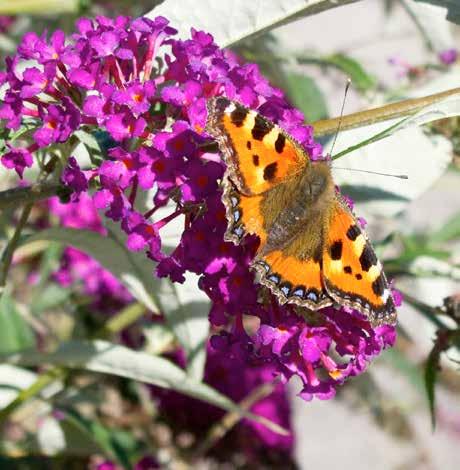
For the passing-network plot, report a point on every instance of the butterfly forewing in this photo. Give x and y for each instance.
(258, 153)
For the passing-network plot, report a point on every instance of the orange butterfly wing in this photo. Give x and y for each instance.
(258, 153)
(353, 275)
(331, 258)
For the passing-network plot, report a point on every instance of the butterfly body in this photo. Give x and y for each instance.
(313, 252)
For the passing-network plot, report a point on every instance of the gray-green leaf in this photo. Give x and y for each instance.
(230, 22)
(109, 358)
(15, 332)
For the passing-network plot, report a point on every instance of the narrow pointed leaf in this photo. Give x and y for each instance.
(109, 358)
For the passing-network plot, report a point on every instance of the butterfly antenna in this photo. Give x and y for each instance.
(347, 86)
(402, 177)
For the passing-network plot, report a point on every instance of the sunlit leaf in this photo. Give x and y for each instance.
(398, 146)
(230, 22)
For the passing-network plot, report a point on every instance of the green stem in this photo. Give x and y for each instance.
(383, 113)
(37, 387)
(121, 320)
(9, 250)
(36, 192)
(374, 138)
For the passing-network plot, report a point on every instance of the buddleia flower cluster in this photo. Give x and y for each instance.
(145, 92)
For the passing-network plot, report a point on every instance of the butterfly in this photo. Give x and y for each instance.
(313, 252)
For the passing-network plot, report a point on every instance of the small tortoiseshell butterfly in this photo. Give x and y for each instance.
(312, 251)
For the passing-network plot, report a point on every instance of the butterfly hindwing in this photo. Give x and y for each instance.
(353, 275)
(293, 279)
(258, 153)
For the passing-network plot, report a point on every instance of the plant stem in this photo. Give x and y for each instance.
(231, 418)
(9, 250)
(121, 320)
(26, 394)
(382, 113)
(36, 192)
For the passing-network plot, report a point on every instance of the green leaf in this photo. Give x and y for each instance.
(360, 79)
(230, 22)
(109, 358)
(15, 333)
(449, 231)
(453, 8)
(351, 67)
(51, 297)
(305, 95)
(431, 372)
(115, 443)
(131, 268)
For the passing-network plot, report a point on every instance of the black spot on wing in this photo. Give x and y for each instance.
(358, 276)
(270, 171)
(279, 143)
(348, 269)
(248, 145)
(367, 258)
(255, 160)
(353, 232)
(261, 127)
(336, 250)
(238, 115)
(378, 286)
